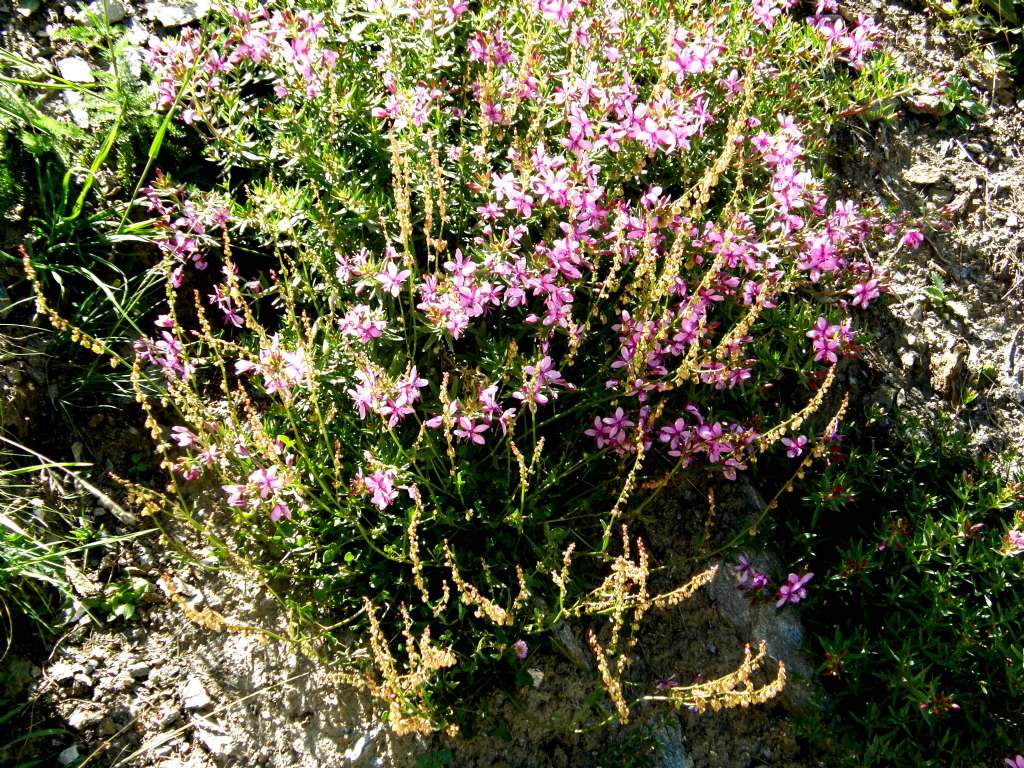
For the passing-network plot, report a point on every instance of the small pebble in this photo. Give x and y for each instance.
(76, 70)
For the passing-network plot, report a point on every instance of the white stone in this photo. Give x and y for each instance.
(85, 717)
(175, 13)
(193, 695)
(62, 671)
(68, 756)
(26, 8)
(75, 70)
(218, 744)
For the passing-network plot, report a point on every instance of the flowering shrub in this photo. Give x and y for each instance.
(473, 274)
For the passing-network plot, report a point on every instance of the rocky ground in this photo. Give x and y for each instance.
(199, 679)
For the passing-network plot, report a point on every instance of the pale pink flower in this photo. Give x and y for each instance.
(266, 481)
(392, 279)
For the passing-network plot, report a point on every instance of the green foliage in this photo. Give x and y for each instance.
(916, 615)
(998, 24)
(46, 542)
(58, 176)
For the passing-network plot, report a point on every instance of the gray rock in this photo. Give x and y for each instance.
(361, 743)
(168, 716)
(571, 647)
(84, 680)
(779, 629)
(61, 672)
(193, 695)
(115, 9)
(669, 740)
(923, 174)
(219, 744)
(75, 70)
(139, 670)
(68, 756)
(176, 13)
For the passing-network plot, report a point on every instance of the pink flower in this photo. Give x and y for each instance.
(1015, 762)
(825, 340)
(793, 590)
(381, 485)
(391, 279)
(521, 649)
(467, 429)
(864, 293)
(1014, 543)
(557, 11)
(455, 9)
(182, 437)
(280, 510)
(794, 448)
(912, 239)
(236, 496)
(744, 568)
(266, 481)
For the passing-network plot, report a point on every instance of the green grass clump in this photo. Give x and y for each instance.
(917, 614)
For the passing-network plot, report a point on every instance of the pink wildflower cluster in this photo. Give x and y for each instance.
(793, 590)
(451, 301)
(694, 54)
(470, 421)
(829, 340)
(549, 233)
(193, 462)
(281, 369)
(166, 351)
(290, 41)
(378, 484)
(265, 489)
(750, 579)
(184, 223)
(722, 444)
(375, 392)
(852, 44)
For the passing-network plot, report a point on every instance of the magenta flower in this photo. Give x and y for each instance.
(744, 568)
(1015, 762)
(825, 339)
(912, 239)
(794, 448)
(864, 293)
(793, 590)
